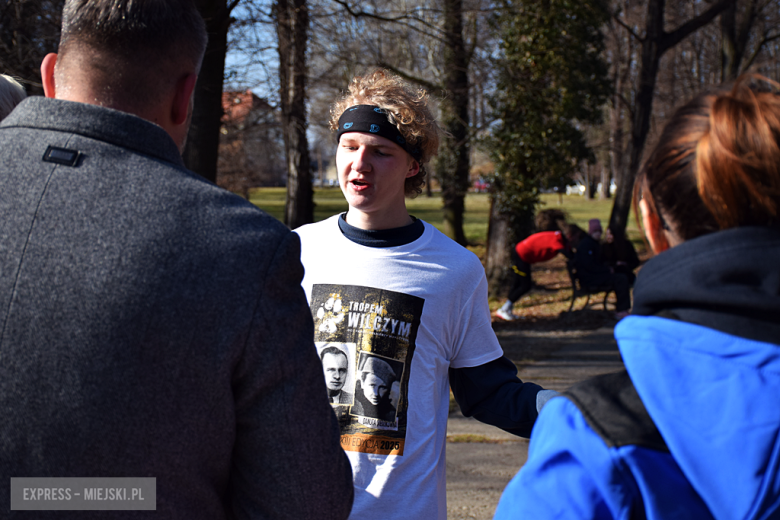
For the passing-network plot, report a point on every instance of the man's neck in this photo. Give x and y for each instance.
(378, 222)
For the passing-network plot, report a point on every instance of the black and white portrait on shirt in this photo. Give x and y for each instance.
(338, 369)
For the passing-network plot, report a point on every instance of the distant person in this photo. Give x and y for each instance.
(592, 272)
(408, 297)
(335, 365)
(153, 325)
(594, 229)
(537, 248)
(691, 429)
(618, 253)
(11, 94)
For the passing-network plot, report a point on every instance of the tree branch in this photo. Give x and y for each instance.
(427, 85)
(392, 19)
(627, 28)
(402, 20)
(670, 39)
(757, 51)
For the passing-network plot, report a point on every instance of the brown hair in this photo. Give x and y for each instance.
(550, 220)
(406, 107)
(717, 163)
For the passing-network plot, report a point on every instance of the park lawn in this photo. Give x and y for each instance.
(329, 201)
(551, 276)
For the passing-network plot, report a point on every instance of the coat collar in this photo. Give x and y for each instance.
(727, 281)
(100, 123)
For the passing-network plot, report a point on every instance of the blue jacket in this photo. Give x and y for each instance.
(708, 375)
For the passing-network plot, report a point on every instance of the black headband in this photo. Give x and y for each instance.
(371, 119)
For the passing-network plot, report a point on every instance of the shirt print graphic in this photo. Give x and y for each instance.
(365, 338)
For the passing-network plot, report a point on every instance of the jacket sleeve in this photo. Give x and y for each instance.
(570, 473)
(287, 459)
(493, 394)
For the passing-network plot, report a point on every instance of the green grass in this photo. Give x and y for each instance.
(329, 201)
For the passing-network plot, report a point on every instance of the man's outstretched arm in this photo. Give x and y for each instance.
(493, 394)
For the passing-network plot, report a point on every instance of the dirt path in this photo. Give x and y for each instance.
(481, 459)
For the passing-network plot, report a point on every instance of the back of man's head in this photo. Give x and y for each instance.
(129, 51)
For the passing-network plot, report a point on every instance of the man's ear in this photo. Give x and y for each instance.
(414, 169)
(47, 74)
(181, 101)
(654, 230)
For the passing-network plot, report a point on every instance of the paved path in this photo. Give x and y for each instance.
(477, 472)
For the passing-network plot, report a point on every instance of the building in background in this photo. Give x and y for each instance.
(251, 147)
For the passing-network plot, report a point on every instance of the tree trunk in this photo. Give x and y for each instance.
(655, 43)
(605, 182)
(202, 149)
(498, 258)
(616, 136)
(292, 23)
(452, 167)
(643, 109)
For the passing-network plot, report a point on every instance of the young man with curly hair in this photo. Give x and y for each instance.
(405, 297)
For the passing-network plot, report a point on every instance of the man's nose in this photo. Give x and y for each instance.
(362, 162)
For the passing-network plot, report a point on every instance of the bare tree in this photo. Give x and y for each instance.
(28, 31)
(452, 167)
(655, 42)
(251, 149)
(292, 25)
(202, 149)
(747, 26)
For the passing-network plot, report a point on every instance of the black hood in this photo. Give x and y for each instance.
(727, 281)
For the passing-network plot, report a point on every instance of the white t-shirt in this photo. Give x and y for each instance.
(403, 316)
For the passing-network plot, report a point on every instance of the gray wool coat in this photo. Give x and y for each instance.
(153, 325)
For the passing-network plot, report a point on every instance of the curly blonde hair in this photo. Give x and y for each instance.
(407, 109)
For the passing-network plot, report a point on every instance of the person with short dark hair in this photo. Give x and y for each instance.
(335, 365)
(691, 428)
(152, 325)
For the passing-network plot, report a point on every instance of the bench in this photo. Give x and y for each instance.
(577, 290)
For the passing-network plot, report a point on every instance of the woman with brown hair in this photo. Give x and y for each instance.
(691, 429)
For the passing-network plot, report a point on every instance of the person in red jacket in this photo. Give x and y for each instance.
(535, 249)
